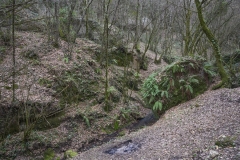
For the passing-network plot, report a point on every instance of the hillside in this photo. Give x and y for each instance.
(62, 99)
(46, 80)
(207, 127)
(119, 79)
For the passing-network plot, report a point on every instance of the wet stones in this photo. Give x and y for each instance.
(123, 148)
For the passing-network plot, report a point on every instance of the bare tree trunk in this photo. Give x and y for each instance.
(187, 37)
(224, 76)
(136, 40)
(87, 19)
(13, 52)
(105, 49)
(56, 34)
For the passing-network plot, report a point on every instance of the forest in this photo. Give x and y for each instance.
(119, 79)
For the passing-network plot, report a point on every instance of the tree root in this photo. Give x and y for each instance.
(222, 84)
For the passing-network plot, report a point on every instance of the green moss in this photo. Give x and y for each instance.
(98, 71)
(225, 142)
(62, 34)
(70, 154)
(52, 122)
(49, 154)
(122, 133)
(118, 57)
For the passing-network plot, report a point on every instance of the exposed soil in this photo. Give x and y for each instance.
(188, 131)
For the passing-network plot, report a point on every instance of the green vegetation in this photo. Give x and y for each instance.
(225, 142)
(30, 54)
(2, 53)
(70, 154)
(66, 30)
(72, 87)
(118, 56)
(232, 65)
(49, 154)
(45, 82)
(215, 46)
(178, 82)
(10, 87)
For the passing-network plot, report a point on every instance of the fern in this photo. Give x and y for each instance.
(150, 88)
(192, 65)
(157, 106)
(209, 69)
(192, 80)
(175, 68)
(188, 88)
(111, 89)
(177, 82)
(164, 94)
(86, 120)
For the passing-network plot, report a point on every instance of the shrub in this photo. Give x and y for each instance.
(178, 82)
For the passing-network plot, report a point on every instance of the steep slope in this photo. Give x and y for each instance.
(63, 97)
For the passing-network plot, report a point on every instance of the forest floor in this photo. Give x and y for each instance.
(187, 131)
(206, 127)
(79, 126)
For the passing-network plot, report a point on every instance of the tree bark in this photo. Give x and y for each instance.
(56, 34)
(105, 50)
(136, 41)
(224, 76)
(13, 52)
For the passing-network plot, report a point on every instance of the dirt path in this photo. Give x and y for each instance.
(187, 131)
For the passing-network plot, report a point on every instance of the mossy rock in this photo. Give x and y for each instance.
(117, 56)
(169, 59)
(70, 154)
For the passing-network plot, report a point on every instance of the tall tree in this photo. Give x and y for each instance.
(13, 51)
(56, 34)
(224, 76)
(105, 44)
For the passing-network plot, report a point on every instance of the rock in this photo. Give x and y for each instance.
(237, 156)
(124, 148)
(213, 154)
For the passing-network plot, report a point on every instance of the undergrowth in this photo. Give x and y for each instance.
(178, 82)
